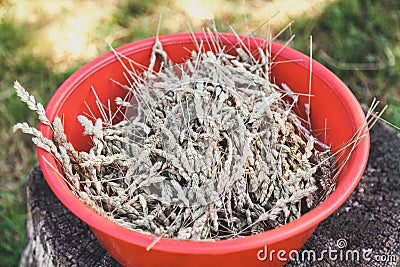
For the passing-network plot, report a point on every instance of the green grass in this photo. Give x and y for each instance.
(129, 9)
(357, 39)
(135, 16)
(17, 156)
(12, 200)
(12, 225)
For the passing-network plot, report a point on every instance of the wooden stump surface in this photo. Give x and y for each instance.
(368, 222)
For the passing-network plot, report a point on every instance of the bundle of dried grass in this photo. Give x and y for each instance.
(207, 150)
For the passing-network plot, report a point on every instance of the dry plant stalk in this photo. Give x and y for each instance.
(207, 150)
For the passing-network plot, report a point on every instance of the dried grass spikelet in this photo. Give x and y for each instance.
(213, 151)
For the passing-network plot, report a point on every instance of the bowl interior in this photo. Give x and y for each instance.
(335, 117)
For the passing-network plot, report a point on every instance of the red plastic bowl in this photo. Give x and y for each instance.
(332, 106)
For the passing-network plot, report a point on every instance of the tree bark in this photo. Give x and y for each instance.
(367, 224)
(56, 237)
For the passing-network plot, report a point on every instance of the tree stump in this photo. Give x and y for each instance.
(367, 224)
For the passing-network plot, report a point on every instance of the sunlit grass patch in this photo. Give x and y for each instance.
(360, 42)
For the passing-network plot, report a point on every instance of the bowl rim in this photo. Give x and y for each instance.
(307, 221)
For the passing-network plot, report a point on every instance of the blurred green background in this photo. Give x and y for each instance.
(44, 42)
